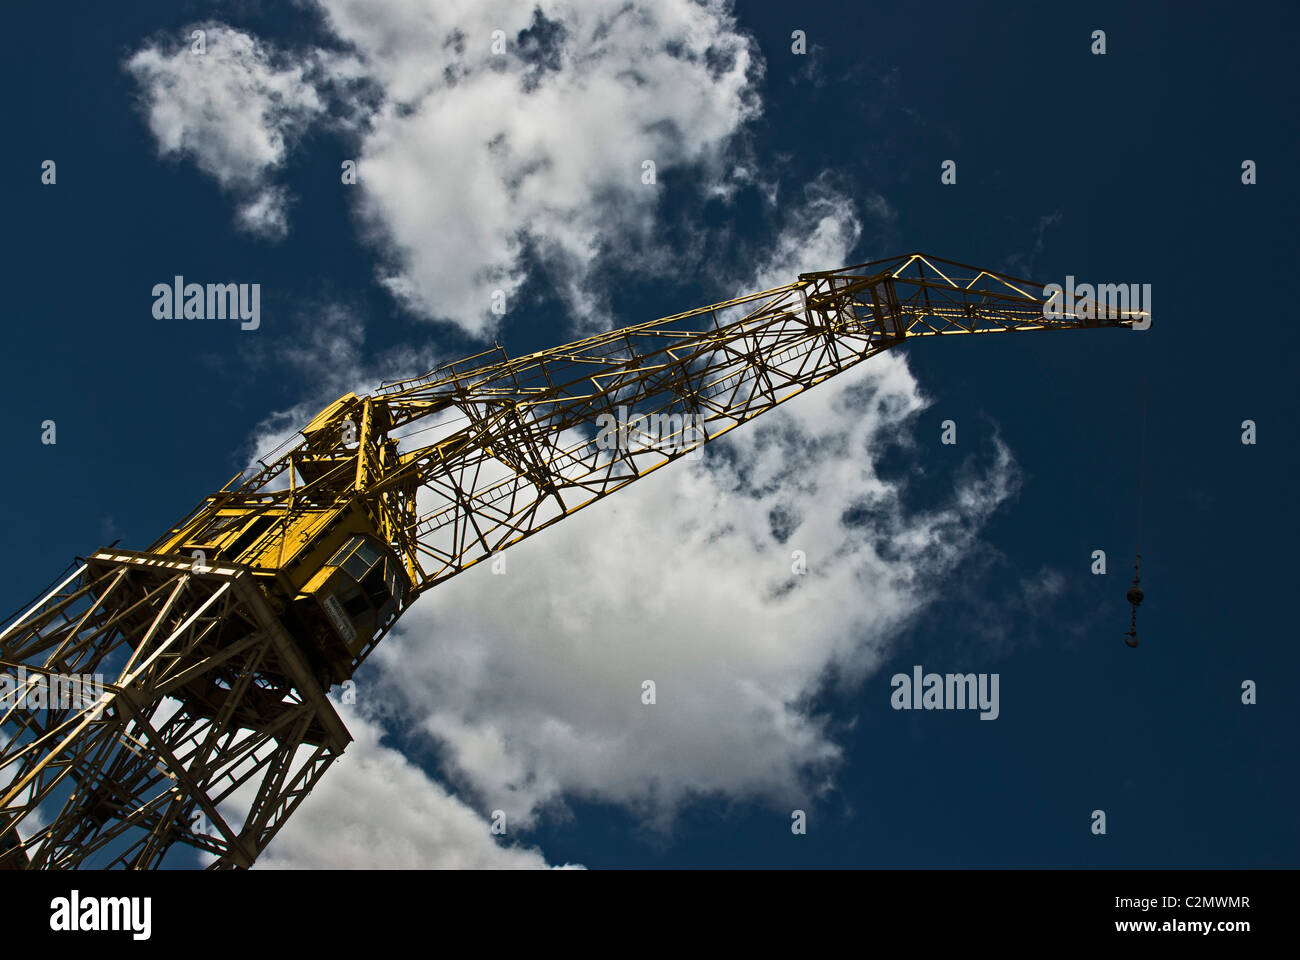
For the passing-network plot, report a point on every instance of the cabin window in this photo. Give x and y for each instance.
(216, 525)
(354, 602)
(374, 574)
(343, 551)
(248, 537)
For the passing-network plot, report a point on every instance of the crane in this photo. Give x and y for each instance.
(218, 645)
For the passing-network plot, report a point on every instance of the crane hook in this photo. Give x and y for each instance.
(1134, 596)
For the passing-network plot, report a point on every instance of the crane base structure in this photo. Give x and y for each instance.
(209, 700)
(211, 653)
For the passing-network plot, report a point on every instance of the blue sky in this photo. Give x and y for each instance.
(1117, 168)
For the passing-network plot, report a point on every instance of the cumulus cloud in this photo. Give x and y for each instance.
(540, 150)
(375, 810)
(233, 109)
(531, 681)
(477, 154)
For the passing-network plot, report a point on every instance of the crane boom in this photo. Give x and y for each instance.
(222, 639)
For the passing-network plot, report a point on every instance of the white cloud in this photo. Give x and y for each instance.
(479, 158)
(232, 109)
(375, 810)
(819, 234)
(472, 161)
(266, 213)
(531, 681)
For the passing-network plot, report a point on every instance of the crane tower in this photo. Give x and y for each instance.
(216, 646)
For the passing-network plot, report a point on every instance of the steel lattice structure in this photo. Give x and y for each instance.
(222, 639)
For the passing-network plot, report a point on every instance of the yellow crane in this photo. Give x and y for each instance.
(218, 644)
